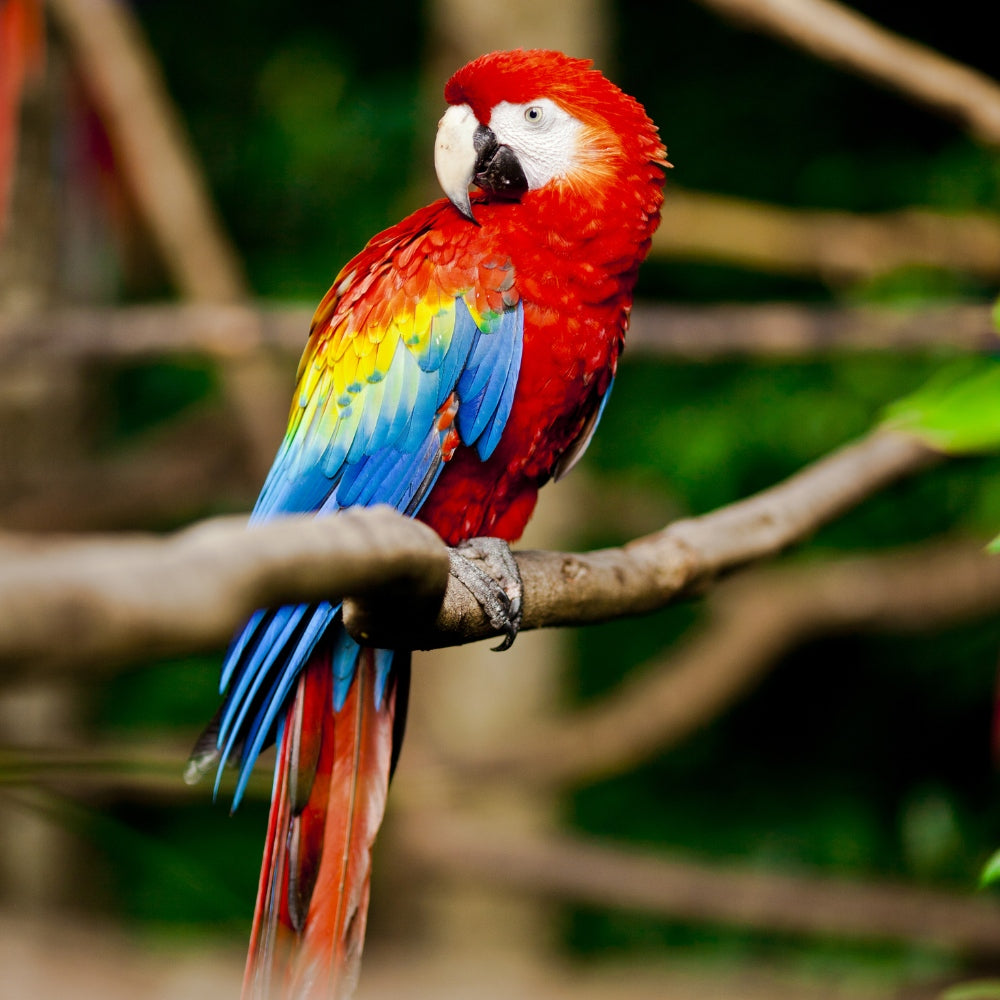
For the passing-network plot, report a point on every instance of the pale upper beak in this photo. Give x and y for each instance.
(455, 156)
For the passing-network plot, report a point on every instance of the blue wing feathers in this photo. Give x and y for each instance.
(392, 402)
(463, 335)
(424, 413)
(489, 438)
(403, 364)
(383, 447)
(493, 365)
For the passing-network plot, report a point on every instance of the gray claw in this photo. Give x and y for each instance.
(487, 568)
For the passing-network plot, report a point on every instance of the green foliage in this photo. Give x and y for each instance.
(140, 396)
(957, 412)
(991, 870)
(304, 115)
(981, 989)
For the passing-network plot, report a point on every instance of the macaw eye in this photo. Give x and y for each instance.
(534, 114)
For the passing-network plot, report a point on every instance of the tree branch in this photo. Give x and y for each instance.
(837, 34)
(586, 871)
(105, 601)
(450, 843)
(235, 332)
(835, 246)
(646, 574)
(783, 330)
(135, 598)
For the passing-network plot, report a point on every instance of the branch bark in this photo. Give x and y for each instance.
(839, 35)
(125, 598)
(646, 574)
(105, 601)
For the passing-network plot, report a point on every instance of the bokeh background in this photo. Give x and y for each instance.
(855, 758)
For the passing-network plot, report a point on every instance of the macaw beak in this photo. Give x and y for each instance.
(455, 156)
(468, 152)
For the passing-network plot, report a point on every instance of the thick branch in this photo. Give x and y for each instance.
(567, 867)
(753, 620)
(125, 598)
(94, 602)
(833, 32)
(646, 574)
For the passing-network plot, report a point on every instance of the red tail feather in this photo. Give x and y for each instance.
(327, 805)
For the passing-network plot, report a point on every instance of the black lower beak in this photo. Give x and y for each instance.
(497, 170)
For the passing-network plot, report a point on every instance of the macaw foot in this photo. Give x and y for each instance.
(487, 569)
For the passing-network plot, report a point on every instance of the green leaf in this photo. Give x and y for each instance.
(981, 989)
(957, 412)
(991, 871)
(994, 546)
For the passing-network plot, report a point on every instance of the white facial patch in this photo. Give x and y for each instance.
(542, 135)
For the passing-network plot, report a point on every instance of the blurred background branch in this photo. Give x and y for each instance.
(833, 31)
(222, 332)
(608, 875)
(837, 247)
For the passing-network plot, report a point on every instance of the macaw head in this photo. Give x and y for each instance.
(533, 120)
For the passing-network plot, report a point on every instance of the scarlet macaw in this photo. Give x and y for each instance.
(459, 362)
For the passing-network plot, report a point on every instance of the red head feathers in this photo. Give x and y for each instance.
(558, 124)
(521, 75)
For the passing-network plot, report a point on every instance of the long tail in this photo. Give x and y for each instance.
(328, 801)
